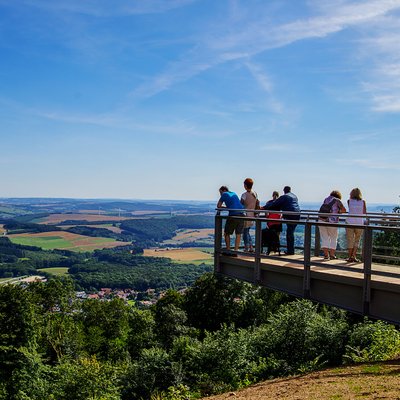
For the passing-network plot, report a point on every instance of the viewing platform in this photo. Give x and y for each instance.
(370, 287)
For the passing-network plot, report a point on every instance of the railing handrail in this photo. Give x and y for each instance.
(375, 219)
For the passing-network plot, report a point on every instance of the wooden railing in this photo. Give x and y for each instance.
(381, 266)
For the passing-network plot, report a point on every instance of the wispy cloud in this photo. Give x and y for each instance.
(379, 54)
(362, 137)
(228, 44)
(371, 164)
(266, 85)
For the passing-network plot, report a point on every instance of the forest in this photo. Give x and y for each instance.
(114, 268)
(215, 336)
(219, 335)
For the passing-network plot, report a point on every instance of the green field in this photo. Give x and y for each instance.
(58, 271)
(65, 242)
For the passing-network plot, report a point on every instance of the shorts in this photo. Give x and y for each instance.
(234, 225)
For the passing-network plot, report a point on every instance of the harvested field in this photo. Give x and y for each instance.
(58, 218)
(1, 229)
(192, 255)
(65, 241)
(191, 235)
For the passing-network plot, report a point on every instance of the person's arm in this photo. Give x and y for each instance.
(221, 201)
(364, 207)
(274, 204)
(342, 208)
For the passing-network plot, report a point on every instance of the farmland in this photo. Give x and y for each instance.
(192, 235)
(191, 255)
(65, 241)
(55, 219)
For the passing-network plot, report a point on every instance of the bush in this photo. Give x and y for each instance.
(298, 336)
(372, 341)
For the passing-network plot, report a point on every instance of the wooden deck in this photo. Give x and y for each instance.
(333, 282)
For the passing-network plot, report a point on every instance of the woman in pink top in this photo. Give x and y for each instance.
(356, 206)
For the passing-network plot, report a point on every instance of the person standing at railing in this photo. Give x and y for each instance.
(250, 201)
(275, 225)
(287, 202)
(356, 206)
(329, 234)
(232, 202)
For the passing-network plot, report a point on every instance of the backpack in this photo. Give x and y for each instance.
(326, 208)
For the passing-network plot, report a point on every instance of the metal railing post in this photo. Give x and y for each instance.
(307, 260)
(317, 245)
(217, 242)
(367, 259)
(257, 253)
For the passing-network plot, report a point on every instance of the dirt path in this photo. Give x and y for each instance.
(365, 381)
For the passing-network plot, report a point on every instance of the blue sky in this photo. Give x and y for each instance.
(170, 99)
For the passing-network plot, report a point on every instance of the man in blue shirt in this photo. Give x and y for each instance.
(287, 202)
(232, 202)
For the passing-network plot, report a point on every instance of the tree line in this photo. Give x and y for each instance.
(220, 335)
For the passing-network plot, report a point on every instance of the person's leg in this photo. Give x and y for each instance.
(246, 238)
(323, 232)
(227, 241)
(237, 241)
(239, 227)
(357, 237)
(290, 237)
(350, 243)
(229, 229)
(333, 234)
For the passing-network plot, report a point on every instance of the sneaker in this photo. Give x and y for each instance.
(326, 258)
(333, 257)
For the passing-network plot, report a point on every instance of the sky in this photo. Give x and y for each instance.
(170, 99)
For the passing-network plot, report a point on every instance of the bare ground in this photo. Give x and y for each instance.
(363, 381)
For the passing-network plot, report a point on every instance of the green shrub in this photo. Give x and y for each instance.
(372, 341)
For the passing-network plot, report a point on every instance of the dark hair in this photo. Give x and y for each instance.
(337, 194)
(224, 189)
(286, 189)
(248, 182)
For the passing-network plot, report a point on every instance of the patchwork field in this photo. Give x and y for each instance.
(65, 241)
(187, 255)
(192, 235)
(58, 218)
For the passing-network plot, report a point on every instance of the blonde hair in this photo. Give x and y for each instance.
(356, 194)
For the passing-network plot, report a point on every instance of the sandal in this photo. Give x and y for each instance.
(333, 257)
